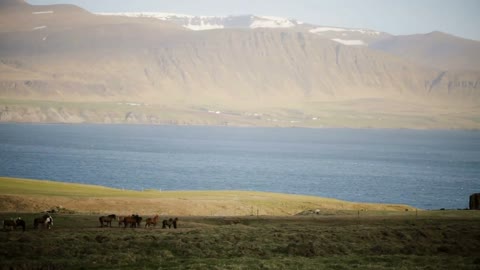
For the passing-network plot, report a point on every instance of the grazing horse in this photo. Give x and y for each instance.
(46, 220)
(13, 224)
(120, 220)
(20, 223)
(107, 220)
(151, 221)
(169, 223)
(133, 220)
(9, 223)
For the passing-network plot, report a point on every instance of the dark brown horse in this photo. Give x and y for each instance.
(10, 224)
(168, 223)
(133, 220)
(151, 221)
(46, 221)
(13, 224)
(20, 223)
(107, 220)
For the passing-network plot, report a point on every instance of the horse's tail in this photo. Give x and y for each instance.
(100, 219)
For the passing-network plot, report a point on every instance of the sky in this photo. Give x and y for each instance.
(398, 17)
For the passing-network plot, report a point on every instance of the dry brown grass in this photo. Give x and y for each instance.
(23, 195)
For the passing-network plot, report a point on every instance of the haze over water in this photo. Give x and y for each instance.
(426, 169)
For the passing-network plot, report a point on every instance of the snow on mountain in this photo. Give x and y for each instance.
(351, 42)
(317, 30)
(214, 22)
(271, 22)
(346, 36)
(196, 23)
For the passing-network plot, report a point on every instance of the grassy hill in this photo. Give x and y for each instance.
(24, 195)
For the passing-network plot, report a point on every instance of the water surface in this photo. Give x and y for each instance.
(426, 169)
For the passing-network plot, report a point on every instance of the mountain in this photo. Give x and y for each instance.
(60, 63)
(346, 36)
(436, 49)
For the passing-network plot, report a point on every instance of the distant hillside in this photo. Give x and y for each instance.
(60, 63)
(436, 49)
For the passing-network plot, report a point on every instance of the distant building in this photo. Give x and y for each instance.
(475, 201)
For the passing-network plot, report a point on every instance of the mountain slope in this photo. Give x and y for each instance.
(436, 49)
(246, 77)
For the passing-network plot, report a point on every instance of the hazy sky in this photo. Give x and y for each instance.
(399, 17)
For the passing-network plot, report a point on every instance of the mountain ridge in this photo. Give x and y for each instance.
(64, 71)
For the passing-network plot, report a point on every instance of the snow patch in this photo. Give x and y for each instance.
(350, 42)
(271, 22)
(156, 15)
(326, 29)
(42, 12)
(39, 27)
(203, 26)
(338, 29)
(196, 23)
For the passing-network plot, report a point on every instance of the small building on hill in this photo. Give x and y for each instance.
(475, 201)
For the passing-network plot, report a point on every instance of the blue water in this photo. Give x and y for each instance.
(426, 169)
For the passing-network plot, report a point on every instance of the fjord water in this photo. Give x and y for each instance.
(427, 169)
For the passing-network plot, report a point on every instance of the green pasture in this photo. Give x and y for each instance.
(78, 242)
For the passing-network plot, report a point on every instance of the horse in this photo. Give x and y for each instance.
(45, 220)
(151, 221)
(107, 220)
(9, 223)
(169, 223)
(133, 220)
(12, 224)
(20, 223)
(120, 220)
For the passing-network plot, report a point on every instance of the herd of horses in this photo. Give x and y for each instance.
(132, 221)
(45, 221)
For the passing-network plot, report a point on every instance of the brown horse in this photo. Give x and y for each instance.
(120, 220)
(168, 223)
(13, 224)
(45, 221)
(151, 221)
(107, 220)
(10, 224)
(133, 220)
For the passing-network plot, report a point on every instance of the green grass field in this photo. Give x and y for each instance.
(78, 242)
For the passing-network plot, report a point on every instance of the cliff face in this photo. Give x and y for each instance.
(113, 60)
